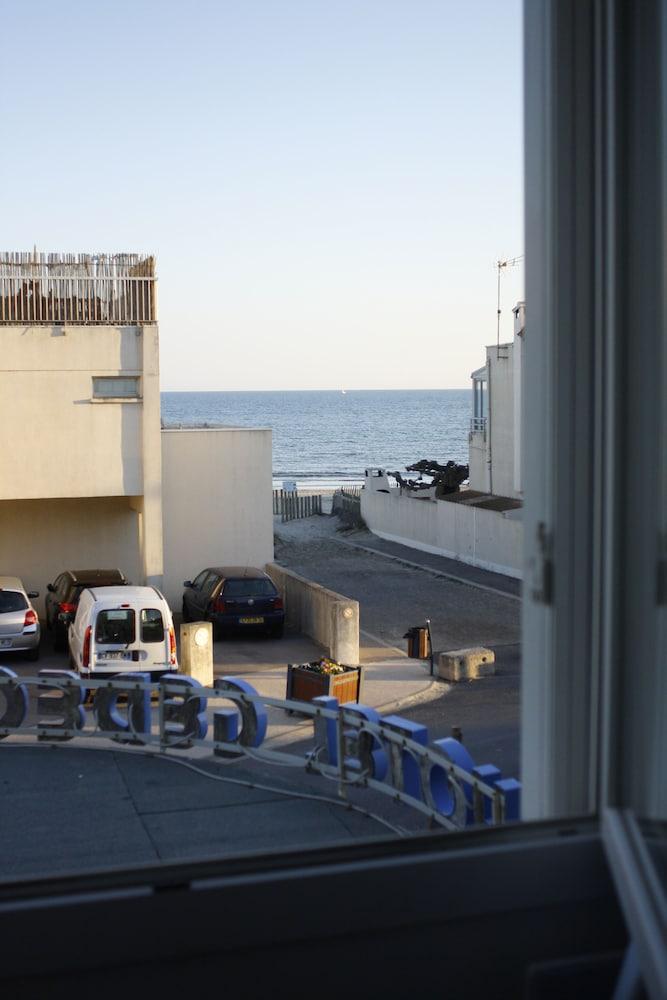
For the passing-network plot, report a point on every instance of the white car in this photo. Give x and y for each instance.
(122, 629)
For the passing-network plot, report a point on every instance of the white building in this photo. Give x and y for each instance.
(87, 477)
(482, 525)
(494, 442)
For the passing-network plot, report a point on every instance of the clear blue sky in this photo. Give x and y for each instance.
(326, 184)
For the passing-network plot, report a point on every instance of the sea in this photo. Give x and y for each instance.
(325, 439)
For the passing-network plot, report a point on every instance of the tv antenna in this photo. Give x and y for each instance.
(502, 265)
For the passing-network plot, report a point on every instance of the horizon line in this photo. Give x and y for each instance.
(449, 388)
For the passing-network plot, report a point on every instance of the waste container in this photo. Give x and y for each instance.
(417, 643)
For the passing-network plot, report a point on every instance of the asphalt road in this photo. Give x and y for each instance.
(393, 596)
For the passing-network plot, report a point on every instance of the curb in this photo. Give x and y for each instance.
(429, 693)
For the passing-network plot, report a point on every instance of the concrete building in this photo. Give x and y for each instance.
(87, 477)
(494, 441)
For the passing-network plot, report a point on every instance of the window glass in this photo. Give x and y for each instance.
(152, 626)
(211, 580)
(113, 387)
(115, 625)
(199, 580)
(249, 588)
(12, 600)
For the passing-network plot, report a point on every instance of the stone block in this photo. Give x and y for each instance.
(196, 658)
(466, 664)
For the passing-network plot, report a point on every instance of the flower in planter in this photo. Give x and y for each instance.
(324, 666)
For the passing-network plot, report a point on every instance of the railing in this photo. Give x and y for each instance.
(83, 289)
(351, 744)
(292, 506)
(477, 424)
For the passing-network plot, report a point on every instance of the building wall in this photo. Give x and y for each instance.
(41, 538)
(54, 440)
(485, 538)
(478, 467)
(501, 419)
(216, 502)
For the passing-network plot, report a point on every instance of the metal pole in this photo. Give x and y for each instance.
(430, 643)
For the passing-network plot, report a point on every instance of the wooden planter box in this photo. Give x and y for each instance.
(304, 685)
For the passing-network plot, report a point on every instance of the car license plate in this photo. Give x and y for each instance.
(5, 643)
(120, 654)
(251, 621)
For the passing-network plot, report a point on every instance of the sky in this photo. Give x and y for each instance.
(326, 184)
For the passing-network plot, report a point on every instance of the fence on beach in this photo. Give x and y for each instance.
(291, 506)
(347, 506)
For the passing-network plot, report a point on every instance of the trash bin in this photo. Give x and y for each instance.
(417, 643)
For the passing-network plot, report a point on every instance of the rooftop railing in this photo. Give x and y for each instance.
(82, 289)
(478, 424)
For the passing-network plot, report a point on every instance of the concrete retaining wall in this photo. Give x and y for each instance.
(489, 539)
(327, 617)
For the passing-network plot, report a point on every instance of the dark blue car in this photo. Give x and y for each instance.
(238, 598)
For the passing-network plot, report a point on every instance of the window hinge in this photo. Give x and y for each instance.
(543, 573)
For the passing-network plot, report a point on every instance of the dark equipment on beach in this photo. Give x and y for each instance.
(446, 478)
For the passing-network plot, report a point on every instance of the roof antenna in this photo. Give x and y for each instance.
(501, 265)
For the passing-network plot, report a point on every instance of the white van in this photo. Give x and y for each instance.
(118, 629)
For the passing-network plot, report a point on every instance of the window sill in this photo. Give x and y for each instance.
(116, 399)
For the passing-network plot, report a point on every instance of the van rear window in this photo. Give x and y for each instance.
(152, 626)
(115, 626)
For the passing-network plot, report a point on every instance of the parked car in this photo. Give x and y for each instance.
(19, 624)
(120, 629)
(62, 598)
(234, 597)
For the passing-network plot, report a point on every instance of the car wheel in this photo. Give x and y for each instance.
(58, 640)
(277, 631)
(32, 654)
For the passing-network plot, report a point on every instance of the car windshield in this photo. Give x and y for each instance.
(249, 588)
(12, 600)
(115, 626)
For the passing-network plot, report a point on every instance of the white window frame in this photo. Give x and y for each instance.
(594, 686)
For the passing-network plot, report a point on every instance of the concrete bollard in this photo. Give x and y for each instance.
(196, 657)
(345, 632)
(466, 664)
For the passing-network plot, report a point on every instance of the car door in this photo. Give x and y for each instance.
(190, 594)
(52, 599)
(204, 595)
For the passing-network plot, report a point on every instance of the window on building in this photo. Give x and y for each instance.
(116, 387)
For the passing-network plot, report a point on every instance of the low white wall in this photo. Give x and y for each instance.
(41, 538)
(485, 538)
(327, 617)
(216, 502)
